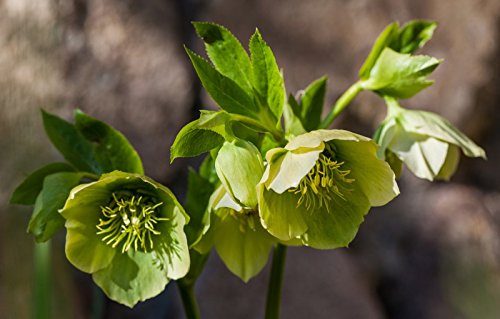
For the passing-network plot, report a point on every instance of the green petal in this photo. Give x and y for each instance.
(171, 249)
(374, 176)
(384, 135)
(287, 169)
(242, 244)
(280, 215)
(313, 139)
(131, 278)
(84, 248)
(394, 162)
(427, 123)
(239, 167)
(336, 227)
(86, 251)
(423, 156)
(450, 164)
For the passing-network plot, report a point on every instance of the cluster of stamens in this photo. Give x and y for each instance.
(130, 220)
(322, 182)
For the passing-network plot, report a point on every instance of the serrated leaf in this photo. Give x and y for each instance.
(293, 123)
(226, 53)
(112, 150)
(407, 39)
(412, 36)
(216, 121)
(193, 141)
(227, 93)
(380, 44)
(268, 80)
(71, 143)
(311, 104)
(27, 192)
(46, 220)
(400, 75)
(198, 193)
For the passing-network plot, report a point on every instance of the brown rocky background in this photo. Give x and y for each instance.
(432, 253)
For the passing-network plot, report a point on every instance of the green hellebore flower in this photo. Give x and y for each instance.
(127, 231)
(238, 236)
(320, 185)
(239, 167)
(427, 143)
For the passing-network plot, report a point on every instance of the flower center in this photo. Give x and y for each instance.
(130, 220)
(322, 182)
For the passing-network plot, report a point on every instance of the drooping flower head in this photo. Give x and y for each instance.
(127, 231)
(320, 185)
(427, 143)
(237, 235)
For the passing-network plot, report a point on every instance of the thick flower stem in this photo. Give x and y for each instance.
(42, 291)
(341, 104)
(275, 283)
(191, 309)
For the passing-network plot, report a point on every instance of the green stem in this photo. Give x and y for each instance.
(42, 292)
(189, 300)
(277, 134)
(341, 104)
(275, 283)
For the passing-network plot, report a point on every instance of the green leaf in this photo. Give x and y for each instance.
(268, 80)
(311, 104)
(27, 191)
(193, 141)
(412, 36)
(198, 193)
(400, 75)
(207, 170)
(226, 53)
(112, 150)
(227, 93)
(407, 39)
(292, 119)
(46, 219)
(380, 44)
(218, 122)
(71, 143)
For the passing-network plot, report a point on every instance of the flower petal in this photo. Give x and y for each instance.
(372, 175)
(450, 164)
(427, 123)
(337, 226)
(280, 215)
(171, 249)
(243, 249)
(239, 167)
(313, 139)
(131, 277)
(287, 169)
(86, 251)
(423, 156)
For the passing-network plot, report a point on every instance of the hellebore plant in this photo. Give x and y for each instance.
(275, 175)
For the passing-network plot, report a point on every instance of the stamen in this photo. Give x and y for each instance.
(322, 182)
(130, 221)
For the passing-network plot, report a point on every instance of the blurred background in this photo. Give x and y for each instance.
(433, 253)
